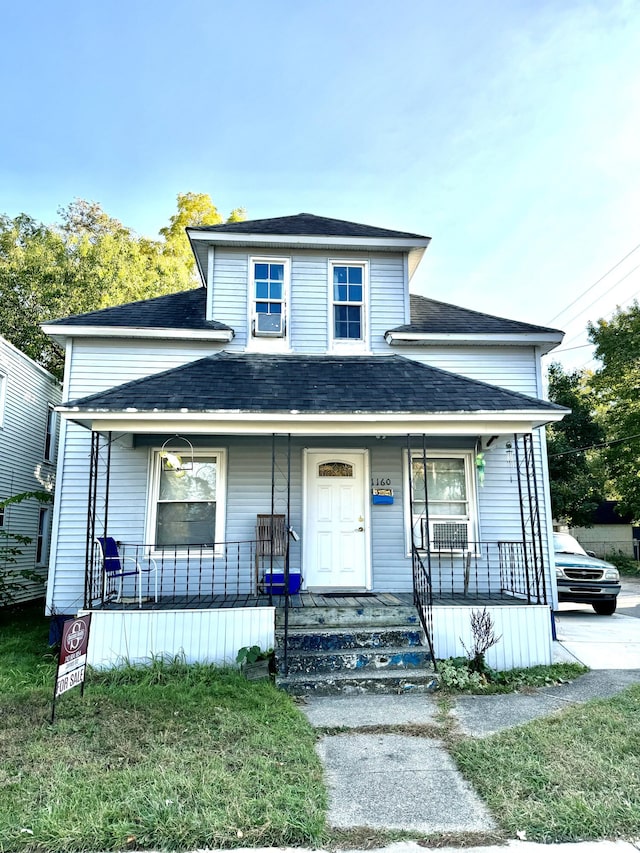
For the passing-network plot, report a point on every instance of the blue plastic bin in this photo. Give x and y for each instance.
(274, 582)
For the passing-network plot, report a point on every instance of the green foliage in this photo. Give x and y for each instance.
(626, 565)
(193, 209)
(457, 675)
(87, 261)
(12, 581)
(616, 384)
(577, 479)
(252, 654)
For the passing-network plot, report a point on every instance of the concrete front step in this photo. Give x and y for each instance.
(355, 660)
(420, 680)
(332, 639)
(335, 617)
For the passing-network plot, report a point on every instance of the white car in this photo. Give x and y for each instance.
(584, 579)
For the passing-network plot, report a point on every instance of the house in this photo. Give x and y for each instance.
(28, 450)
(272, 428)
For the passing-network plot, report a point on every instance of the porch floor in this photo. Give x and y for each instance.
(307, 599)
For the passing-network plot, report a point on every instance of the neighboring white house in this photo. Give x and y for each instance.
(301, 382)
(28, 453)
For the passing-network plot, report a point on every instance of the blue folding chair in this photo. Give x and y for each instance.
(119, 567)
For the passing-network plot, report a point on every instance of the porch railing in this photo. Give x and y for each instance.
(423, 598)
(488, 570)
(225, 570)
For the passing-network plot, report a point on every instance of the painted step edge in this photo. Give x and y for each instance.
(330, 639)
(400, 659)
(418, 681)
(336, 616)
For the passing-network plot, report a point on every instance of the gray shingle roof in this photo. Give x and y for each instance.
(228, 382)
(431, 316)
(306, 224)
(184, 310)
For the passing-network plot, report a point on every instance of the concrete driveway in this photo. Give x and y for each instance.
(602, 642)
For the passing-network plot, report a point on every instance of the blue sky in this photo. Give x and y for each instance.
(507, 131)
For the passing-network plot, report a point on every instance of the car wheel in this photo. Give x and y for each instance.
(605, 608)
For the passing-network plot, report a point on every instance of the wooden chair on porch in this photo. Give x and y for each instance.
(271, 541)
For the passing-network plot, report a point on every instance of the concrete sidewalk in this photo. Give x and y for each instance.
(508, 847)
(404, 779)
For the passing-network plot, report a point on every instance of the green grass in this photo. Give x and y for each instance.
(571, 777)
(169, 757)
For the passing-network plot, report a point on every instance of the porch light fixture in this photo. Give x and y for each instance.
(172, 459)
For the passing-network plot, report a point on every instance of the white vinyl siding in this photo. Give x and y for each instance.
(96, 366)
(309, 298)
(29, 391)
(513, 368)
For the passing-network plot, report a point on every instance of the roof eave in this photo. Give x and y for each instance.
(344, 423)
(60, 333)
(309, 241)
(546, 342)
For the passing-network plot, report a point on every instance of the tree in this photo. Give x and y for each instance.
(617, 385)
(577, 480)
(88, 261)
(193, 209)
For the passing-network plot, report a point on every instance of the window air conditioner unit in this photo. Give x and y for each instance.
(269, 325)
(446, 535)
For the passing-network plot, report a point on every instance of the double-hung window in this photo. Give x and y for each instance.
(348, 292)
(269, 282)
(188, 503)
(42, 539)
(449, 497)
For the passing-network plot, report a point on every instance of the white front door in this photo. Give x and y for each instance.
(336, 531)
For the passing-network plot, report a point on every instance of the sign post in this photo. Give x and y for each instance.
(72, 660)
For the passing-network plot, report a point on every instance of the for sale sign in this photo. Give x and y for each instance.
(72, 661)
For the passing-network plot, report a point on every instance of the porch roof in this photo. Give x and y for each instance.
(430, 316)
(304, 387)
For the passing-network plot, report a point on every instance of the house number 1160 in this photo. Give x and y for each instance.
(381, 481)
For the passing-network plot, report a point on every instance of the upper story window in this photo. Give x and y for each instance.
(49, 436)
(348, 313)
(269, 290)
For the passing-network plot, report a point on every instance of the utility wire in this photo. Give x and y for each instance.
(596, 446)
(584, 293)
(598, 298)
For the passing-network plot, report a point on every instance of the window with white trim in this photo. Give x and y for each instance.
(450, 496)
(187, 507)
(49, 435)
(269, 286)
(42, 540)
(348, 293)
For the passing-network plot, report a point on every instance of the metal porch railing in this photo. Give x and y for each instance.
(487, 570)
(196, 573)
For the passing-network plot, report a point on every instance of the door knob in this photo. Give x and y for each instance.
(359, 529)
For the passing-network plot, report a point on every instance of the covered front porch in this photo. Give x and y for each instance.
(389, 478)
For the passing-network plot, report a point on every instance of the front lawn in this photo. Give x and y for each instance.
(570, 777)
(172, 757)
